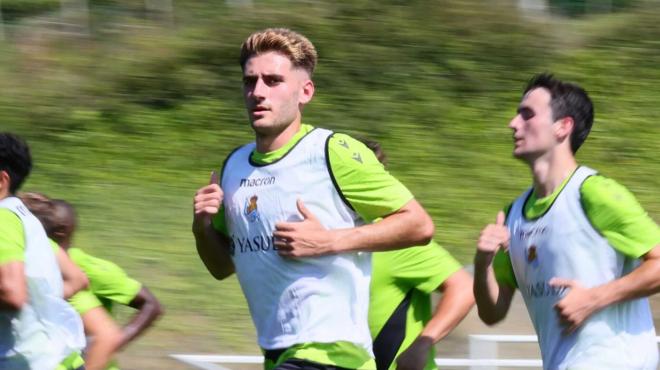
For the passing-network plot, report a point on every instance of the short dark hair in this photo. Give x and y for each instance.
(15, 159)
(57, 216)
(376, 148)
(567, 100)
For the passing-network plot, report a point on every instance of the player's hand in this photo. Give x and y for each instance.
(207, 201)
(306, 238)
(494, 236)
(416, 355)
(576, 306)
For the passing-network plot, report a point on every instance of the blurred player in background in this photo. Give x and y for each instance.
(38, 328)
(109, 285)
(403, 326)
(580, 248)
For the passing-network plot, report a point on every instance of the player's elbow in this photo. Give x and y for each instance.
(157, 310)
(221, 274)
(13, 297)
(14, 300)
(489, 316)
(425, 230)
(420, 228)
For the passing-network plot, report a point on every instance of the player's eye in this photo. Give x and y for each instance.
(273, 80)
(526, 113)
(249, 80)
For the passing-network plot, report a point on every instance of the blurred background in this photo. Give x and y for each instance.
(128, 105)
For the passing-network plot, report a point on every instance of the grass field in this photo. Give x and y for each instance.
(128, 124)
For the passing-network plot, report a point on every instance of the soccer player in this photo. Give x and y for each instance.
(292, 216)
(38, 329)
(580, 248)
(403, 327)
(109, 285)
(73, 279)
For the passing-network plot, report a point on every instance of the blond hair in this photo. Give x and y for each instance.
(296, 47)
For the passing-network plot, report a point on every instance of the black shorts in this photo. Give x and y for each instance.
(297, 364)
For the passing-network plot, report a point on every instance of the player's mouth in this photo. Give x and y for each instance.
(259, 110)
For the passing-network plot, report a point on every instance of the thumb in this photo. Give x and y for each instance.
(559, 282)
(303, 210)
(501, 217)
(214, 178)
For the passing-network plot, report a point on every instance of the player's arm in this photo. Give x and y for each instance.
(456, 301)
(372, 193)
(74, 279)
(407, 226)
(105, 338)
(149, 309)
(454, 305)
(13, 285)
(212, 246)
(641, 282)
(493, 298)
(617, 215)
(410, 225)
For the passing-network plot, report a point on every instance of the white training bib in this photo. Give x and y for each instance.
(562, 243)
(46, 330)
(294, 300)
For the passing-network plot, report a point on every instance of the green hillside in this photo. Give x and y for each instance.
(128, 118)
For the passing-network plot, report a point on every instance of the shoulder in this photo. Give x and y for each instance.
(12, 237)
(603, 193)
(94, 266)
(346, 150)
(9, 220)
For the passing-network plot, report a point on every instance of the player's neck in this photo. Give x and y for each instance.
(270, 143)
(550, 171)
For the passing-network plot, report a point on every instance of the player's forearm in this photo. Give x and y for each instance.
(409, 226)
(641, 282)
(213, 249)
(100, 352)
(13, 286)
(73, 278)
(104, 337)
(149, 309)
(456, 301)
(492, 301)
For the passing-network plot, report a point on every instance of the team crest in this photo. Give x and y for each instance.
(251, 210)
(532, 255)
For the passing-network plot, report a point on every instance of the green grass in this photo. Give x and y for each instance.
(128, 125)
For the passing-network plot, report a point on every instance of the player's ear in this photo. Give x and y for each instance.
(5, 181)
(564, 128)
(306, 91)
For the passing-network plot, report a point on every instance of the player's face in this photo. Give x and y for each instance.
(274, 92)
(533, 126)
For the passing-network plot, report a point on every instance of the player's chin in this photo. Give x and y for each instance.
(261, 122)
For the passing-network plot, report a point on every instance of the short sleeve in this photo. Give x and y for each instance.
(504, 269)
(615, 212)
(423, 268)
(12, 237)
(219, 223)
(106, 279)
(83, 301)
(362, 180)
